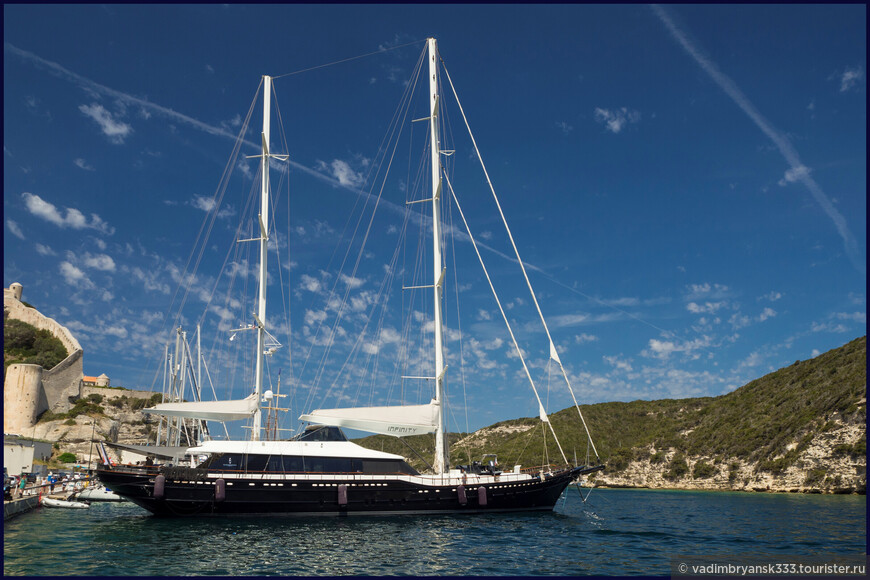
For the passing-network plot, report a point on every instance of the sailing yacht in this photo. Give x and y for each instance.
(320, 471)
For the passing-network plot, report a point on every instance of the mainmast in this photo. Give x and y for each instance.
(441, 448)
(264, 242)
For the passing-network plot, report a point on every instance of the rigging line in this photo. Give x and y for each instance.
(404, 105)
(361, 252)
(458, 319)
(219, 193)
(404, 102)
(218, 198)
(553, 353)
(234, 251)
(287, 305)
(380, 51)
(504, 316)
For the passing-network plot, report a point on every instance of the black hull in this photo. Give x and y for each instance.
(329, 496)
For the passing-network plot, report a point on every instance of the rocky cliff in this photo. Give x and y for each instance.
(833, 461)
(108, 414)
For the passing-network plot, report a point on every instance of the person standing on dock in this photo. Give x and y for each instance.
(22, 485)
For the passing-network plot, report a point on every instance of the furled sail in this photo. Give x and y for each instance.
(208, 410)
(395, 420)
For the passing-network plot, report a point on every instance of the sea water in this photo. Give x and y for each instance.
(615, 532)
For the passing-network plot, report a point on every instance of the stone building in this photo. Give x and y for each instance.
(29, 390)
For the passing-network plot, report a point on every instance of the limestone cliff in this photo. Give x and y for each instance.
(832, 462)
(111, 415)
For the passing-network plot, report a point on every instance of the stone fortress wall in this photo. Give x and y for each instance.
(29, 390)
(109, 394)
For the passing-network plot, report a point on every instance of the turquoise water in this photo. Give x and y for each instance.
(617, 532)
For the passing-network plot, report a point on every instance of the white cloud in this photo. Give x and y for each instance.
(74, 218)
(82, 164)
(850, 78)
(771, 296)
(206, 204)
(583, 337)
(794, 174)
(118, 331)
(615, 120)
(312, 316)
(753, 360)
(662, 349)
(352, 281)
(483, 315)
(766, 313)
(74, 276)
(739, 320)
(245, 168)
(99, 262)
(860, 317)
(568, 320)
(310, 283)
(149, 280)
(342, 172)
(706, 290)
(707, 307)
(828, 327)
(390, 335)
(15, 229)
(115, 130)
(44, 250)
(225, 314)
(618, 363)
(564, 127)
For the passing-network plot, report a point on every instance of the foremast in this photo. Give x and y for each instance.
(442, 456)
(263, 219)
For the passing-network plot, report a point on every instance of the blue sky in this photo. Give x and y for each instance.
(687, 185)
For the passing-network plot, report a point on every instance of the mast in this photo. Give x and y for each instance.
(264, 241)
(441, 449)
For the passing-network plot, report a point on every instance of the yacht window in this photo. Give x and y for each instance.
(322, 433)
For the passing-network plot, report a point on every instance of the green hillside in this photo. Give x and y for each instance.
(25, 344)
(755, 423)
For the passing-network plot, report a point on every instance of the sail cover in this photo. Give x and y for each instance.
(395, 420)
(208, 410)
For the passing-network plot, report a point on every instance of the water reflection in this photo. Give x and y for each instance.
(616, 532)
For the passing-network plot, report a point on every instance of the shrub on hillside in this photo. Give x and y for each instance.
(25, 344)
(703, 470)
(677, 467)
(67, 457)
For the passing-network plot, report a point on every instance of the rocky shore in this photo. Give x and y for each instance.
(821, 468)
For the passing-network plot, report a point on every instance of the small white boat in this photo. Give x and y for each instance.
(60, 503)
(99, 494)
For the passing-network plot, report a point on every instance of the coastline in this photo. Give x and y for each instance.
(782, 491)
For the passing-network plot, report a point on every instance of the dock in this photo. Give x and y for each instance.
(19, 506)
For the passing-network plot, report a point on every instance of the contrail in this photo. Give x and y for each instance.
(798, 169)
(95, 87)
(166, 112)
